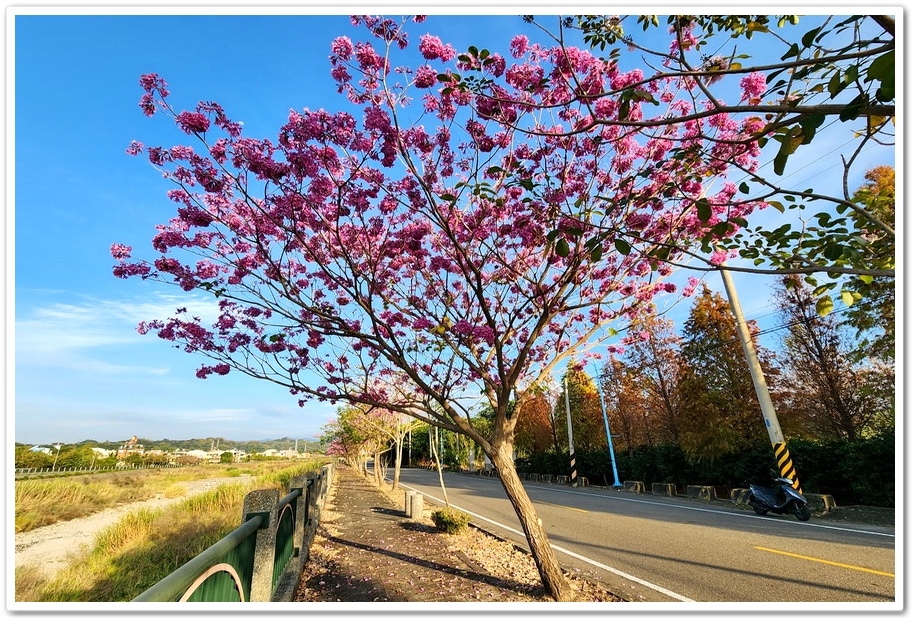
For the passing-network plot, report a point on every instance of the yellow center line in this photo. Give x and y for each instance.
(569, 508)
(826, 562)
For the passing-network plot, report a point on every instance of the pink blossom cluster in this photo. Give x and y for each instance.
(193, 122)
(432, 48)
(753, 87)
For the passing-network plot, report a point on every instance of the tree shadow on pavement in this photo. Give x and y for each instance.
(474, 576)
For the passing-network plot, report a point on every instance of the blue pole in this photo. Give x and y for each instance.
(607, 429)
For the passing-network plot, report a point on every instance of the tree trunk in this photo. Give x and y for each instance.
(555, 583)
(435, 454)
(398, 455)
(377, 468)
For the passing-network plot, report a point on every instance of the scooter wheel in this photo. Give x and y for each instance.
(802, 513)
(759, 508)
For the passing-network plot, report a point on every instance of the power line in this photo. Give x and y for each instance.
(842, 311)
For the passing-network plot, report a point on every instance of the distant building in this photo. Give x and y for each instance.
(132, 446)
(41, 449)
(238, 455)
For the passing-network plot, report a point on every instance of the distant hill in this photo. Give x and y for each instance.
(210, 443)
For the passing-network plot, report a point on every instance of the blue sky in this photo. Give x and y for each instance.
(80, 369)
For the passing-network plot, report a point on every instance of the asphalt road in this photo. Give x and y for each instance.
(649, 548)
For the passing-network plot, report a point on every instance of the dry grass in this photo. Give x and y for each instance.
(44, 501)
(138, 551)
(146, 545)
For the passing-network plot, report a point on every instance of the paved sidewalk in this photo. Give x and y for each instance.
(367, 549)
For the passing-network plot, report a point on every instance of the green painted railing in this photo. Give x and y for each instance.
(284, 548)
(262, 559)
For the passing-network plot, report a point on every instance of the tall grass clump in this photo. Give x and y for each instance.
(451, 520)
(280, 479)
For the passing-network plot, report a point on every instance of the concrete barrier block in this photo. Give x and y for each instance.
(416, 506)
(820, 504)
(701, 492)
(740, 496)
(663, 488)
(407, 499)
(634, 486)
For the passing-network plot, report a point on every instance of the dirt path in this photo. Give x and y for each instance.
(51, 548)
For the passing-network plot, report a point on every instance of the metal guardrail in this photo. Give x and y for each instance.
(70, 471)
(263, 558)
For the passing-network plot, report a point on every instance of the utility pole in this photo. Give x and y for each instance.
(607, 429)
(573, 475)
(780, 449)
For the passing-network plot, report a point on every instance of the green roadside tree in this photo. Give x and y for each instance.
(25, 457)
(837, 397)
(719, 410)
(873, 315)
(584, 411)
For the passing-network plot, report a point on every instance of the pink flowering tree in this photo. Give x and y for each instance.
(347, 437)
(713, 76)
(386, 429)
(394, 257)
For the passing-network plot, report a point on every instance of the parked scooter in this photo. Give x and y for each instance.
(782, 499)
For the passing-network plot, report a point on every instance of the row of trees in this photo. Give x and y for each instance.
(468, 222)
(203, 443)
(82, 456)
(362, 435)
(79, 456)
(694, 390)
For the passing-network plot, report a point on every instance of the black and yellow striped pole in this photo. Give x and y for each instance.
(780, 449)
(784, 462)
(573, 472)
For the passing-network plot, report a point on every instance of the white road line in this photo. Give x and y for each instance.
(810, 526)
(622, 574)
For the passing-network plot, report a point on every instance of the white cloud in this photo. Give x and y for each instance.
(71, 335)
